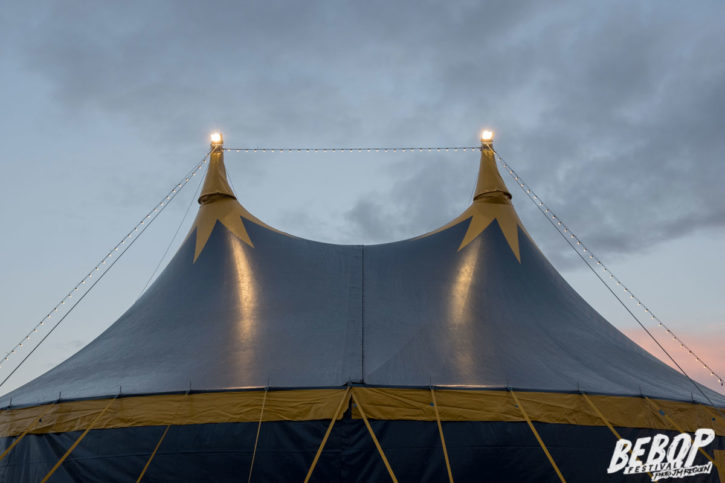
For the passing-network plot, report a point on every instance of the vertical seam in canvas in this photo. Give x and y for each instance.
(362, 313)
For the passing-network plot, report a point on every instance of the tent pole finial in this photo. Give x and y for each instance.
(490, 185)
(217, 140)
(215, 185)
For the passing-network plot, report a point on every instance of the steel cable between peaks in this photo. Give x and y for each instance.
(404, 149)
(173, 238)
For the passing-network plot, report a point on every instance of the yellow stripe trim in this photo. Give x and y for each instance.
(556, 408)
(181, 409)
(379, 403)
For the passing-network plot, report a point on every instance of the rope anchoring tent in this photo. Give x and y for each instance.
(30, 427)
(78, 441)
(593, 263)
(83, 288)
(538, 437)
(440, 431)
(381, 405)
(336, 415)
(608, 424)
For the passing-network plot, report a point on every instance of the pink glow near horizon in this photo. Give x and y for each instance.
(708, 344)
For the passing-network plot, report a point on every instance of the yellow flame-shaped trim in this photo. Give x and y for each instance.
(229, 213)
(481, 214)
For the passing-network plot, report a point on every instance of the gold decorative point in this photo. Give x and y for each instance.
(231, 215)
(226, 211)
(491, 201)
(482, 215)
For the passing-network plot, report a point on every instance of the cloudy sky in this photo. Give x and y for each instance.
(614, 113)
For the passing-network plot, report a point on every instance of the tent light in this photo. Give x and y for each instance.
(486, 135)
(216, 138)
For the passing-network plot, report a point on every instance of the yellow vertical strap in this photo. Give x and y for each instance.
(158, 444)
(538, 438)
(256, 439)
(345, 398)
(601, 416)
(153, 453)
(440, 430)
(27, 430)
(664, 415)
(720, 465)
(375, 440)
(77, 442)
(611, 428)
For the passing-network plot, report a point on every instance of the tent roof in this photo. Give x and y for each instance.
(473, 304)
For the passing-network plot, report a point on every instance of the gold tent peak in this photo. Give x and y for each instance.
(219, 203)
(491, 201)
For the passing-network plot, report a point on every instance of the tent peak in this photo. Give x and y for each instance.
(219, 204)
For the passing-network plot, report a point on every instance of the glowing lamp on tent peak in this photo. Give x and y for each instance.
(216, 138)
(487, 136)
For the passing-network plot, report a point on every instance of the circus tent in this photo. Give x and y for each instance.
(459, 354)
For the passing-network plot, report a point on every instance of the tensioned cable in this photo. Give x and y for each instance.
(256, 438)
(391, 473)
(440, 432)
(563, 230)
(29, 428)
(100, 270)
(538, 436)
(160, 441)
(338, 413)
(609, 425)
(78, 440)
(355, 150)
(173, 238)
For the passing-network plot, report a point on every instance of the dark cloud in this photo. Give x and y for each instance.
(613, 112)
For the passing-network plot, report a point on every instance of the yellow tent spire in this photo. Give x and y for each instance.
(216, 185)
(491, 201)
(490, 183)
(218, 203)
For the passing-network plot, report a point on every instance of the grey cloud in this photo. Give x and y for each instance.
(613, 114)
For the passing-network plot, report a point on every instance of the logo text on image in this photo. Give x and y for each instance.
(661, 456)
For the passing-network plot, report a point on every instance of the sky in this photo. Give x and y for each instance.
(613, 112)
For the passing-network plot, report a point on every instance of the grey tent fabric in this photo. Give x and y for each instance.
(279, 311)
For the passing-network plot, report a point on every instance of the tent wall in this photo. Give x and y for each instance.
(490, 451)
